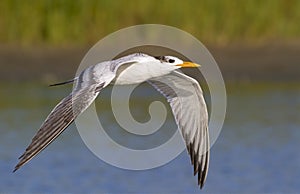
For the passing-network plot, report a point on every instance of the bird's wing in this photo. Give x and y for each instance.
(187, 103)
(84, 93)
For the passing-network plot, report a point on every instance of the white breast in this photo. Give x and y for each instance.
(140, 72)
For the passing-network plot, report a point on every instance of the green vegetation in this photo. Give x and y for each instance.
(80, 22)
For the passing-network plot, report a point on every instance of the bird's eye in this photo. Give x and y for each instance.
(171, 60)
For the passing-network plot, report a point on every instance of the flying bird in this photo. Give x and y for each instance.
(182, 92)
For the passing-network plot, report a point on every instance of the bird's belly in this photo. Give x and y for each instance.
(135, 74)
(124, 79)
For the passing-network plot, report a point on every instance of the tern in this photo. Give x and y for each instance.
(182, 92)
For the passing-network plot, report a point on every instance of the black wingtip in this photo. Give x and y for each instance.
(16, 168)
(201, 186)
(200, 180)
(62, 83)
(21, 156)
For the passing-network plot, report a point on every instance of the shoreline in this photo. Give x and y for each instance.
(238, 63)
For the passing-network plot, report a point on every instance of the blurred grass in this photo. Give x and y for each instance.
(80, 22)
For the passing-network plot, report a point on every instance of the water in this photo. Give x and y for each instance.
(257, 151)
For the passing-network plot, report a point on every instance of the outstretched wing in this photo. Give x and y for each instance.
(87, 88)
(187, 103)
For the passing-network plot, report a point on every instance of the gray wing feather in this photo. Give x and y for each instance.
(88, 86)
(187, 103)
(57, 121)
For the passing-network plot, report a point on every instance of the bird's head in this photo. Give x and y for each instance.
(176, 62)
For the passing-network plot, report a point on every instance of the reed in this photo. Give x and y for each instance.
(80, 22)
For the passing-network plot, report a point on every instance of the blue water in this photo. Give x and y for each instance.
(256, 152)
